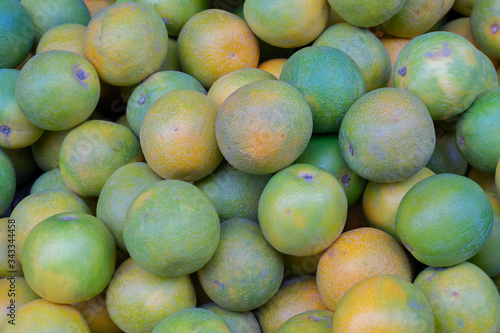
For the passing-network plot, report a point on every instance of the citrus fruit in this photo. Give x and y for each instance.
(215, 42)
(95, 6)
(8, 181)
(446, 157)
(497, 177)
(356, 255)
(484, 179)
(442, 69)
(490, 76)
(133, 288)
(414, 18)
(485, 26)
(329, 80)
(69, 257)
(318, 321)
(171, 62)
(387, 135)
(111, 41)
(263, 126)
(234, 193)
(15, 130)
(486, 258)
(46, 149)
(8, 262)
(478, 132)
(66, 37)
(227, 84)
(14, 293)
(151, 89)
(57, 90)
(244, 322)
(193, 320)
(393, 47)
(177, 136)
(462, 297)
(381, 201)
(120, 190)
(364, 48)
(50, 180)
(245, 271)
(96, 315)
(295, 296)
(91, 152)
(18, 33)
(445, 209)
(302, 210)
(383, 303)
(23, 162)
(278, 22)
(464, 7)
(273, 66)
(42, 316)
(367, 13)
(47, 14)
(181, 231)
(324, 152)
(296, 266)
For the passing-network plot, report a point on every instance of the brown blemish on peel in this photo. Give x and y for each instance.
(5, 130)
(402, 71)
(494, 28)
(445, 52)
(79, 75)
(308, 177)
(462, 140)
(345, 180)
(351, 150)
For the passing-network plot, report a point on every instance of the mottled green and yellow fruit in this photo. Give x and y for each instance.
(193, 320)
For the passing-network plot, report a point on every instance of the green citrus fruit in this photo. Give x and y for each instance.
(244, 322)
(23, 162)
(464, 7)
(446, 157)
(318, 321)
(7, 264)
(46, 149)
(8, 181)
(14, 293)
(96, 315)
(66, 37)
(193, 320)
(366, 13)
(485, 26)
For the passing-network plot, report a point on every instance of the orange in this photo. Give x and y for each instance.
(366, 13)
(237, 321)
(484, 179)
(132, 288)
(177, 136)
(393, 46)
(263, 126)
(296, 295)
(287, 23)
(7, 264)
(23, 162)
(273, 66)
(14, 293)
(46, 149)
(485, 26)
(383, 303)
(215, 42)
(67, 37)
(464, 7)
(300, 266)
(446, 157)
(193, 320)
(497, 177)
(112, 38)
(318, 321)
(171, 62)
(356, 255)
(96, 315)
(8, 180)
(95, 6)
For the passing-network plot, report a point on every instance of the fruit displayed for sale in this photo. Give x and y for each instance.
(193, 320)
(484, 25)
(320, 321)
(244, 322)
(367, 13)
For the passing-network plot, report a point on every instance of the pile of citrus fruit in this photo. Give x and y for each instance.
(250, 166)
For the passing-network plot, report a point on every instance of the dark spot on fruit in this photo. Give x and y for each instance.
(233, 55)
(345, 180)
(494, 28)
(439, 268)
(81, 75)
(67, 218)
(5, 130)
(445, 52)
(141, 100)
(282, 136)
(455, 293)
(288, 212)
(308, 177)
(175, 130)
(432, 140)
(220, 284)
(314, 318)
(396, 120)
(462, 140)
(408, 246)
(351, 150)
(166, 20)
(402, 71)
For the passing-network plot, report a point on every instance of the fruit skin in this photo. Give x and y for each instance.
(484, 25)
(443, 70)
(8, 181)
(67, 37)
(40, 85)
(330, 81)
(46, 149)
(23, 162)
(172, 228)
(133, 288)
(464, 7)
(367, 13)
(462, 297)
(302, 210)
(446, 209)
(497, 177)
(15, 130)
(273, 66)
(18, 33)
(111, 43)
(276, 22)
(244, 322)
(383, 303)
(177, 136)
(22, 295)
(478, 132)
(319, 321)
(387, 135)
(245, 270)
(446, 157)
(193, 320)
(393, 47)
(324, 152)
(484, 179)
(96, 315)
(5, 265)
(263, 127)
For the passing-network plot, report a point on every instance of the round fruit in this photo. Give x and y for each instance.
(485, 26)
(319, 321)
(66, 37)
(263, 126)
(300, 266)
(445, 209)
(46, 149)
(464, 7)
(14, 293)
(366, 13)
(57, 90)
(276, 22)
(8, 181)
(364, 48)
(23, 162)
(18, 33)
(15, 130)
(356, 255)
(151, 89)
(497, 177)
(132, 288)
(177, 136)
(245, 271)
(181, 231)
(462, 297)
(273, 66)
(393, 47)
(69, 257)
(215, 42)
(387, 135)
(96, 315)
(91, 152)
(244, 322)
(441, 68)
(478, 132)
(7, 266)
(446, 157)
(383, 303)
(302, 210)
(484, 179)
(50, 180)
(329, 80)
(193, 320)
(126, 42)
